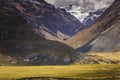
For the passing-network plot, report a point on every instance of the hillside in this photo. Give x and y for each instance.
(46, 20)
(103, 35)
(99, 58)
(20, 45)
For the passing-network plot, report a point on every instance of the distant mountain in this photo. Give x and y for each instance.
(93, 16)
(77, 11)
(45, 19)
(103, 35)
(85, 17)
(19, 42)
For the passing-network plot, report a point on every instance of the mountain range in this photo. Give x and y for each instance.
(34, 32)
(102, 35)
(22, 40)
(85, 17)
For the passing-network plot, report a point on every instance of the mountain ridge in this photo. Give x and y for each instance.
(21, 45)
(44, 17)
(82, 39)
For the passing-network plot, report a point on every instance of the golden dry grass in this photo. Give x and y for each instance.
(80, 72)
(112, 56)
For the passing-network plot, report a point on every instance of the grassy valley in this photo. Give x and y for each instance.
(71, 72)
(25, 54)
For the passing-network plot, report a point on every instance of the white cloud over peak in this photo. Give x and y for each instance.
(88, 4)
(81, 8)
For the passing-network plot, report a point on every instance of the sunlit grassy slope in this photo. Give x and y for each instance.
(76, 72)
(111, 55)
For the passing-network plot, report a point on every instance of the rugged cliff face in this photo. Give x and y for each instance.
(45, 19)
(21, 45)
(103, 35)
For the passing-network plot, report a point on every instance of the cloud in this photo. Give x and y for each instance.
(62, 3)
(86, 4)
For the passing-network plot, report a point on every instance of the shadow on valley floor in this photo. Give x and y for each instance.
(85, 48)
(46, 78)
(43, 78)
(110, 73)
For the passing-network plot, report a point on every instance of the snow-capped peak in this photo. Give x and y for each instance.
(77, 11)
(86, 17)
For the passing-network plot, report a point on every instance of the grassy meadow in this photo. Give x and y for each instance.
(72, 72)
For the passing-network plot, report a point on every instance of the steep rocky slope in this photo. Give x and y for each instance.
(21, 45)
(108, 40)
(45, 19)
(103, 35)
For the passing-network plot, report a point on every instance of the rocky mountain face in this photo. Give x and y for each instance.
(19, 42)
(85, 17)
(103, 35)
(45, 19)
(87, 12)
(92, 17)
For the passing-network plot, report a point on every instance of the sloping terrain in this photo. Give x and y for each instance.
(103, 35)
(20, 45)
(108, 40)
(99, 58)
(45, 19)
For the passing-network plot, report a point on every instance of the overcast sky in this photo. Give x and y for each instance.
(96, 4)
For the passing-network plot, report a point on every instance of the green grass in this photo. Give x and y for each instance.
(80, 72)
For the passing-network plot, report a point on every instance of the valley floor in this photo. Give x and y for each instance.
(70, 72)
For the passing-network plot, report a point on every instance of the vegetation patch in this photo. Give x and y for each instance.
(70, 72)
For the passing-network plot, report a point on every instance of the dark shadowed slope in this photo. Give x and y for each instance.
(20, 45)
(46, 20)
